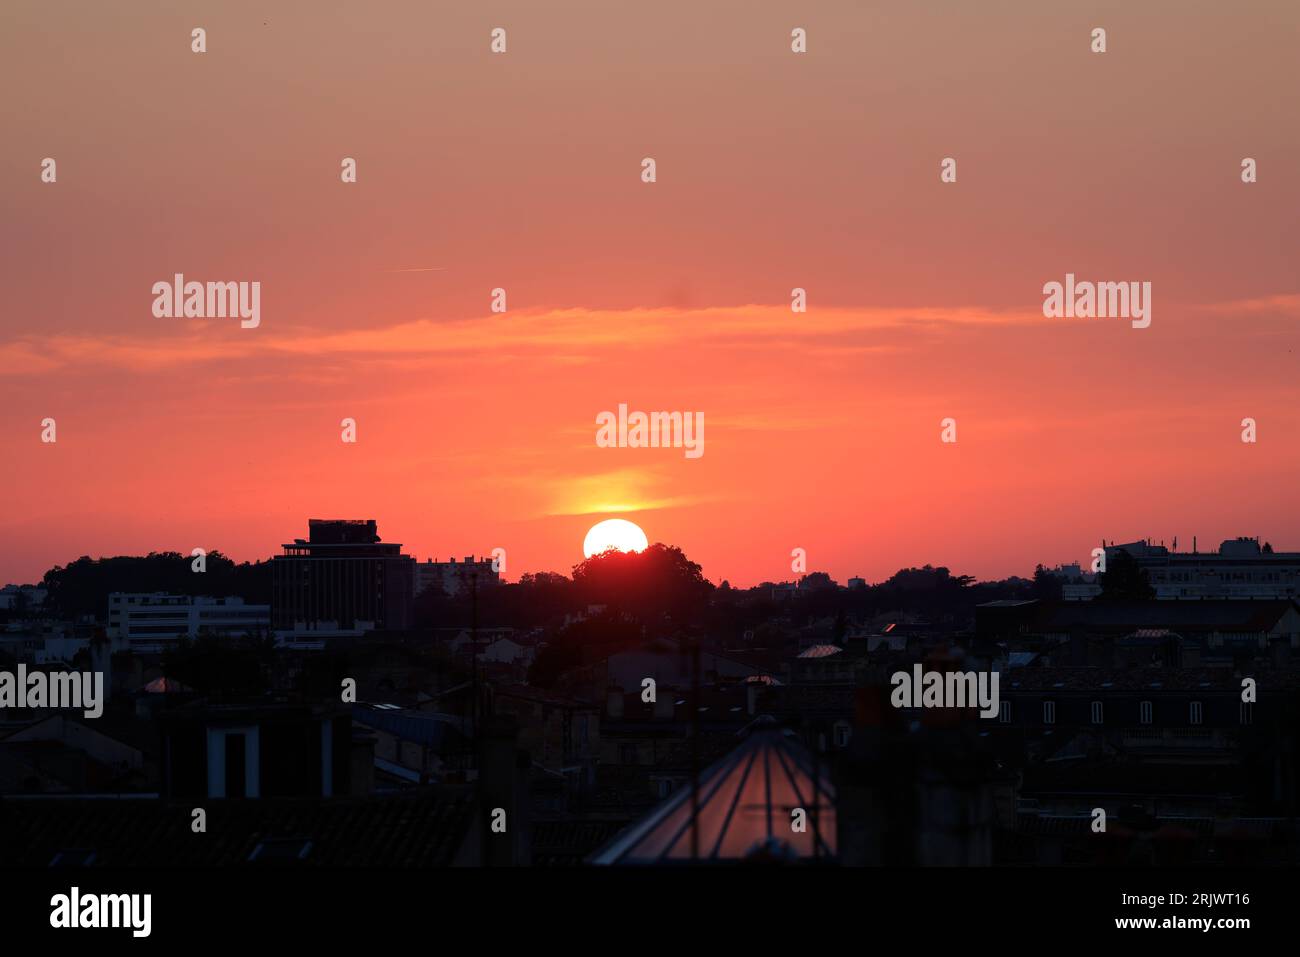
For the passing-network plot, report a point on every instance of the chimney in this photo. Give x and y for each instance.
(1078, 647)
(1281, 648)
(871, 707)
(503, 786)
(362, 756)
(665, 704)
(1173, 651)
(101, 658)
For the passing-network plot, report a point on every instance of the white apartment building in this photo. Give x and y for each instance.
(148, 622)
(453, 576)
(1241, 568)
(13, 597)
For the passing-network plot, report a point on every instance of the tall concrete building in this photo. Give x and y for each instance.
(341, 577)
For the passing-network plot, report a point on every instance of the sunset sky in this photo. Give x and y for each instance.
(775, 170)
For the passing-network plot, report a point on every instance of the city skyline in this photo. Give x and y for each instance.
(776, 171)
(851, 444)
(1193, 545)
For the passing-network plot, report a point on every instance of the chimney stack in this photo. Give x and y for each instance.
(503, 785)
(665, 704)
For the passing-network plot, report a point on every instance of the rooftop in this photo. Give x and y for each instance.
(419, 828)
(745, 805)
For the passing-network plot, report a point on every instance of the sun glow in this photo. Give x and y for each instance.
(614, 533)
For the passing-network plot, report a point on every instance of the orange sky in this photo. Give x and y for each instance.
(774, 170)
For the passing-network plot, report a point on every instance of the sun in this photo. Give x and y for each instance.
(614, 533)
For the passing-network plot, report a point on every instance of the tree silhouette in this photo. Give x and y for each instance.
(659, 582)
(217, 665)
(1046, 587)
(82, 587)
(1124, 579)
(814, 581)
(581, 643)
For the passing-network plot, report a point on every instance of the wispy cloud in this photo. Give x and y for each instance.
(560, 493)
(569, 336)
(563, 335)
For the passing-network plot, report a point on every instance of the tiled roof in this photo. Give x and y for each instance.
(727, 704)
(567, 843)
(428, 728)
(1182, 616)
(820, 651)
(808, 698)
(421, 828)
(1080, 825)
(1131, 777)
(1147, 679)
(543, 695)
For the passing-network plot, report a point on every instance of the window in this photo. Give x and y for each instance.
(1096, 712)
(1247, 712)
(74, 857)
(1049, 712)
(280, 851)
(236, 782)
(1004, 712)
(232, 760)
(1195, 713)
(1144, 712)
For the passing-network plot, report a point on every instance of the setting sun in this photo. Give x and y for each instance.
(614, 533)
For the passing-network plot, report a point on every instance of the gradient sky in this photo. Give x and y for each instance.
(774, 171)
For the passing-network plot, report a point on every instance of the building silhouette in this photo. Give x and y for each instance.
(341, 577)
(1242, 568)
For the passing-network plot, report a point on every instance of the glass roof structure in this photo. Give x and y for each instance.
(746, 813)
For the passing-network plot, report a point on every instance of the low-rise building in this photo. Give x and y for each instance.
(453, 577)
(1241, 568)
(22, 597)
(149, 622)
(561, 733)
(415, 746)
